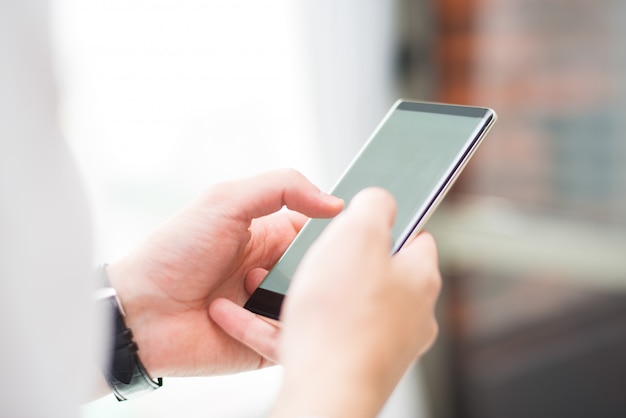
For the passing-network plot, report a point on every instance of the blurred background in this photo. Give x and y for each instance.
(161, 99)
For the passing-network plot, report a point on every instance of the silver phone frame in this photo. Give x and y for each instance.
(438, 195)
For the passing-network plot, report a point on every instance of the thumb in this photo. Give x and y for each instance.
(247, 328)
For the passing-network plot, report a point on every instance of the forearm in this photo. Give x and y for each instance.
(332, 399)
(323, 388)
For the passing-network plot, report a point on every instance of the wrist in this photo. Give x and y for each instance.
(329, 392)
(125, 373)
(137, 313)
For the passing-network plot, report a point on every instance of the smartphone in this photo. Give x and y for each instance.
(416, 153)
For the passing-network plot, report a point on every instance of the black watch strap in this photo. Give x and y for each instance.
(124, 372)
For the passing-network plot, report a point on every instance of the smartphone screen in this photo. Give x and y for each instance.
(415, 153)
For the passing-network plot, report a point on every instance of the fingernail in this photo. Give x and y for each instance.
(330, 198)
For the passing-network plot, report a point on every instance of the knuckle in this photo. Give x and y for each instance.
(434, 329)
(219, 190)
(429, 244)
(434, 282)
(289, 173)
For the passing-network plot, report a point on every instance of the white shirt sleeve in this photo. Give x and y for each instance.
(45, 239)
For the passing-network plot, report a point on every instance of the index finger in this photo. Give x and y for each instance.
(367, 220)
(267, 193)
(419, 258)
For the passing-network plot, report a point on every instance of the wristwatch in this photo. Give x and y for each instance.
(124, 372)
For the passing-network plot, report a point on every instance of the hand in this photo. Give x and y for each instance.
(205, 252)
(355, 318)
